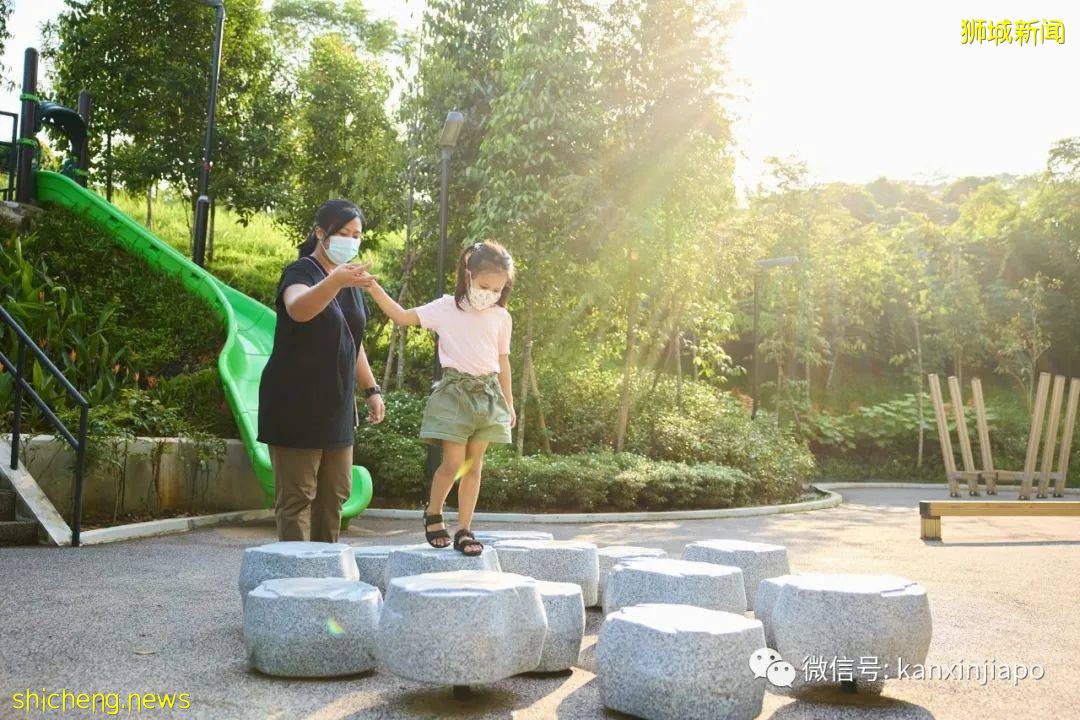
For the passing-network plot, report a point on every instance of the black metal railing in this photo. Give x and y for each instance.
(9, 156)
(77, 442)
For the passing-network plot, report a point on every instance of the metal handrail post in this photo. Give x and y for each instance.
(80, 466)
(16, 421)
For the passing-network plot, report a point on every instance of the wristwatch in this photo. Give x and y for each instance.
(369, 392)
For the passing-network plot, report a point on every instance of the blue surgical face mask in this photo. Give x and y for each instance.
(342, 248)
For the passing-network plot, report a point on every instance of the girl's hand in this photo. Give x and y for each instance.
(368, 281)
(513, 417)
(376, 409)
(349, 275)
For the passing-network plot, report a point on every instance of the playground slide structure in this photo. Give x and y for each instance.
(249, 324)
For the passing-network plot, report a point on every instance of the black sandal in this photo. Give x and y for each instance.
(431, 535)
(464, 538)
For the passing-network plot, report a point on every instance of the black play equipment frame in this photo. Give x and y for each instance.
(35, 114)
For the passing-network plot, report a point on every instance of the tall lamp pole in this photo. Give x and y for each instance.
(762, 265)
(202, 204)
(447, 142)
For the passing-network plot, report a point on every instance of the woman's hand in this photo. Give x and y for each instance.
(513, 417)
(350, 275)
(376, 409)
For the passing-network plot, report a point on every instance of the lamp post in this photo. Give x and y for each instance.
(202, 204)
(447, 142)
(762, 265)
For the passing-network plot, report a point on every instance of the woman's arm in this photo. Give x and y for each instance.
(303, 302)
(388, 305)
(506, 384)
(366, 379)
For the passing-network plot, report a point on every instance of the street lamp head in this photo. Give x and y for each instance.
(777, 262)
(451, 129)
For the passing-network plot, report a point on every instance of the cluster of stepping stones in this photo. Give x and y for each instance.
(677, 640)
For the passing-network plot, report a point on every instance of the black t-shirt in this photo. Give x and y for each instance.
(307, 391)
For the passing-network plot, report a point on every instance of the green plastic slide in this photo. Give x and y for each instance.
(248, 323)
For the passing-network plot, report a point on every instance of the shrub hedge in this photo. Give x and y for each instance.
(596, 480)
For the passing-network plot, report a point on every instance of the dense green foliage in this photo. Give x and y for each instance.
(111, 324)
(739, 462)
(147, 65)
(248, 255)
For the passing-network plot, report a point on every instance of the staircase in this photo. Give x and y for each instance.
(19, 490)
(13, 530)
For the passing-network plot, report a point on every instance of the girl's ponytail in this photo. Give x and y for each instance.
(459, 275)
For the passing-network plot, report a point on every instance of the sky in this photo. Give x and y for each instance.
(854, 89)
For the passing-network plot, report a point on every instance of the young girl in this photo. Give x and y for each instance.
(472, 405)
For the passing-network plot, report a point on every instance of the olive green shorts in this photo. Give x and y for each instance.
(465, 407)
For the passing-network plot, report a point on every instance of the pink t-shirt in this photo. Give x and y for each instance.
(470, 340)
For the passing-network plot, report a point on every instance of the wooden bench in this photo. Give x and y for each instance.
(931, 511)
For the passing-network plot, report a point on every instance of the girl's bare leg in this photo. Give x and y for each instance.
(453, 454)
(469, 489)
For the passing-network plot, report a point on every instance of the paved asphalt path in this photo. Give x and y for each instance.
(163, 615)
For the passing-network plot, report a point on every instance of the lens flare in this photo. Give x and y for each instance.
(464, 468)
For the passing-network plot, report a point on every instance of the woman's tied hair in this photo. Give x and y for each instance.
(331, 217)
(481, 257)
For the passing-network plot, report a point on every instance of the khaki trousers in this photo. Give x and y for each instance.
(310, 486)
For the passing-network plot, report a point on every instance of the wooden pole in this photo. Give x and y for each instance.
(962, 434)
(1067, 436)
(943, 435)
(1051, 435)
(983, 430)
(1034, 434)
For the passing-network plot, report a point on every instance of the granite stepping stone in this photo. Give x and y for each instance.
(767, 592)
(554, 560)
(612, 555)
(295, 559)
(679, 662)
(426, 559)
(493, 536)
(565, 612)
(371, 561)
(756, 560)
(311, 627)
(685, 582)
(862, 622)
(461, 628)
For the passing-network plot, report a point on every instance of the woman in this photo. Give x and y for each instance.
(307, 404)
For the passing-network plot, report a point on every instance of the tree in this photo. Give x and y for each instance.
(6, 6)
(908, 287)
(147, 64)
(665, 183)
(295, 20)
(464, 43)
(1022, 340)
(532, 171)
(346, 145)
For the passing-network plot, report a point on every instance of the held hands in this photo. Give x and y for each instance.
(352, 275)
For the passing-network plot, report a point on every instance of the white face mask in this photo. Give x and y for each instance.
(482, 298)
(342, 249)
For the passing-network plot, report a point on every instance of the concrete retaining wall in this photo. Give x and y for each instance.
(220, 487)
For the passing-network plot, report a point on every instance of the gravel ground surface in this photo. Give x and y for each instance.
(163, 615)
